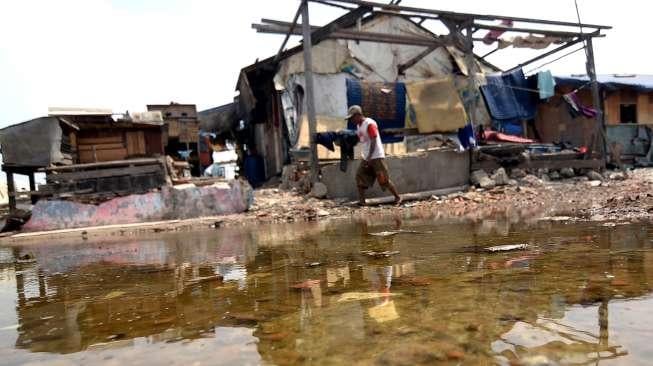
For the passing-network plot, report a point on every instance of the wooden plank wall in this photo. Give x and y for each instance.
(109, 145)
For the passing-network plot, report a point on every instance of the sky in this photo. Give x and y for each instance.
(124, 54)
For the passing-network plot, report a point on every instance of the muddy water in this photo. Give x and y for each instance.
(327, 294)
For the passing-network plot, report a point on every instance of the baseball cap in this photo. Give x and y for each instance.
(354, 110)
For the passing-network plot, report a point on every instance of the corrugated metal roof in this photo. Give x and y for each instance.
(638, 82)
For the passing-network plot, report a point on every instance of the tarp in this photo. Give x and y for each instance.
(35, 143)
(383, 102)
(641, 83)
(219, 119)
(436, 105)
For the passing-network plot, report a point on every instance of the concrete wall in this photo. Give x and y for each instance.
(412, 173)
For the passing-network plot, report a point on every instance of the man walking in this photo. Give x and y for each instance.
(373, 167)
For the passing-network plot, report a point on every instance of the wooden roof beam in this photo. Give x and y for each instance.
(359, 36)
(464, 16)
(551, 33)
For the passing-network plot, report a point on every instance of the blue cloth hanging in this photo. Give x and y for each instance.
(524, 98)
(383, 102)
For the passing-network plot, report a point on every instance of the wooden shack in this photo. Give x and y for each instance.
(86, 152)
(181, 131)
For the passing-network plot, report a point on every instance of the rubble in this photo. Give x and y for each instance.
(532, 180)
(319, 190)
(567, 173)
(593, 176)
(554, 175)
(517, 173)
(480, 179)
(528, 198)
(500, 177)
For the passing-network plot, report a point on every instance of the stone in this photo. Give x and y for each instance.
(480, 179)
(554, 175)
(592, 175)
(486, 183)
(322, 213)
(477, 176)
(594, 183)
(517, 173)
(513, 183)
(532, 180)
(542, 172)
(597, 217)
(319, 190)
(538, 360)
(567, 173)
(500, 177)
(455, 355)
(617, 176)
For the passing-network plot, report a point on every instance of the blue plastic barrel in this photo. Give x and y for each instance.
(254, 170)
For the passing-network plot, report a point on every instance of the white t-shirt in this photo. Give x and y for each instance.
(363, 131)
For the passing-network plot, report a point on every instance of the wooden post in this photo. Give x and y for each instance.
(11, 191)
(32, 187)
(309, 90)
(470, 61)
(596, 97)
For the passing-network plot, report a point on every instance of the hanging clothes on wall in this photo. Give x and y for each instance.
(576, 107)
(383, 102)
(546, 84)
(510, 100)
(523, 94)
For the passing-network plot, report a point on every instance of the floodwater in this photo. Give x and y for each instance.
(314, 294)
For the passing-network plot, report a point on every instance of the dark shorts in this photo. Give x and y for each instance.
(374, 170)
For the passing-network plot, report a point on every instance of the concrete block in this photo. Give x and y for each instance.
(417, 172)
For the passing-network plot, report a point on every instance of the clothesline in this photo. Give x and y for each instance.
(557, 59)
(537, 90)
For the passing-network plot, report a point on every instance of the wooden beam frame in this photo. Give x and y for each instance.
(310, 88)
(547, 54)
(463, 16)
(410, 63)
(358, 36)
(292, 28)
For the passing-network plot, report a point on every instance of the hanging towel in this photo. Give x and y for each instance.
(545, 84)
(383, 102)
(436, 105)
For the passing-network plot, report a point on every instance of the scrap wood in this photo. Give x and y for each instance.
(359, 296)
(395, 232)
(411, 196)
(506, 248)
(385, 254)
(198, 280)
